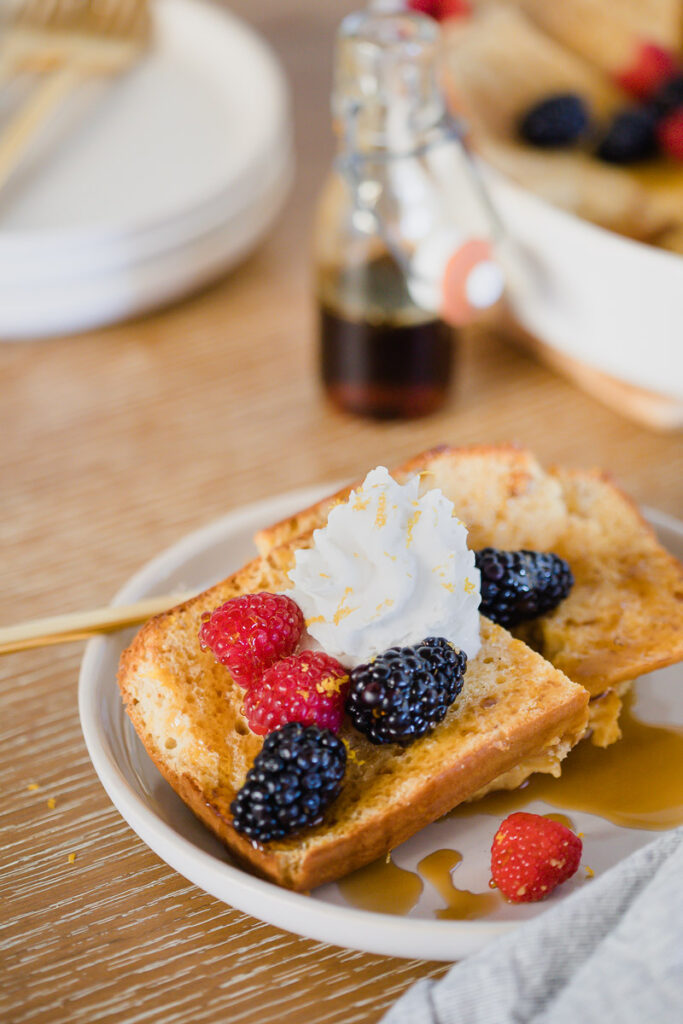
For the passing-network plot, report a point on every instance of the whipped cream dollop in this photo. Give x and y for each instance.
(390, 568)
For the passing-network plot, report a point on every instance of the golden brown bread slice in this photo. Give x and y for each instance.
(498, 63)
(608, 34)
(624, 616)
(514, 706)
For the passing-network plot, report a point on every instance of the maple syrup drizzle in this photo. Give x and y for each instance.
(662, 175)
(561, 819)
(383, 887)
(636, 782)
(461, 905)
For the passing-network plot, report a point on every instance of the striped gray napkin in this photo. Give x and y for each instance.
(611, 952)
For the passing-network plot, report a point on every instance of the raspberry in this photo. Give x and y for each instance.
(520, 585)
(441, 9)
(428, 7)
(630, 137)
(248, 634)
(309, 688)
(531, 855)
(453, 9)
(296, 775)
(556, 121)
(670, 134)
(651, 68)
(406, 691)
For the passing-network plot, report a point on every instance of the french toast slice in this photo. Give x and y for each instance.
(186, 709)
(499, 63)
(624, 615)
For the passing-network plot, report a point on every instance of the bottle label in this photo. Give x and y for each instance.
(455, 277)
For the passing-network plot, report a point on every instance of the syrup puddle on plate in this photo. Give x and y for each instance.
(383, 887)
(386, 888)
(461, 905)
(561, 819)
(636, 783)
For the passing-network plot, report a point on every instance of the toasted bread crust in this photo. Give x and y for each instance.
(315, 515)
(624, 616)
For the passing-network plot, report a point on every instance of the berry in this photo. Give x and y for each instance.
(248, 634)
(670, 134)
(630, 137)
(428, 7)
(651, 68)
(309, 688)
(556, 121)
(669, 96)
(453, 9)
(441, 9)
(296, 775)
(405, 692)
(531, 855)
(520, 585)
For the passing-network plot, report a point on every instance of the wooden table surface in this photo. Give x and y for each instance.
(114, 445)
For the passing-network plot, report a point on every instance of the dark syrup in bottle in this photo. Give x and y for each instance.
(381, 356)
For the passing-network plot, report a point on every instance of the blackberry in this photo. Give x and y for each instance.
(296, 775)
(520, 585)
(669, 96)
(556, 121)
(630, 137)
(406, 691)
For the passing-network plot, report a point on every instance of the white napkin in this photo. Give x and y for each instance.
(612, 952)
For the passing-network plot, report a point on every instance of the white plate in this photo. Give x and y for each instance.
(160, 818)
(136, 178)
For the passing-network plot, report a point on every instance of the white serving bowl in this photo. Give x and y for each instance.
(595, 296)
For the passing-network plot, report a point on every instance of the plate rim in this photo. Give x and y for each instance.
(22, 242)
(367, 931)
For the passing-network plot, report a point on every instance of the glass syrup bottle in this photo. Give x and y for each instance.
(403, 252)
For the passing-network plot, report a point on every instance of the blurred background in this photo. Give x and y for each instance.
(118, 439)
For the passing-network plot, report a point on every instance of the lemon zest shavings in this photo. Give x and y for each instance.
(314, 619)
(342, 611)
(412, 523)
(331, 684)
(381, 517)
(351, 753)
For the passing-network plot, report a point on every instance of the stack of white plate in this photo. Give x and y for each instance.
(149, 186)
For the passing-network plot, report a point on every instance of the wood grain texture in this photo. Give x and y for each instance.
(115, 444)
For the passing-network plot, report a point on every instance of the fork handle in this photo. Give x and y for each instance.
(61, 629)
(53, 88)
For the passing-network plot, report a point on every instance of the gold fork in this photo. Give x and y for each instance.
(62, 629)
(64, 42)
